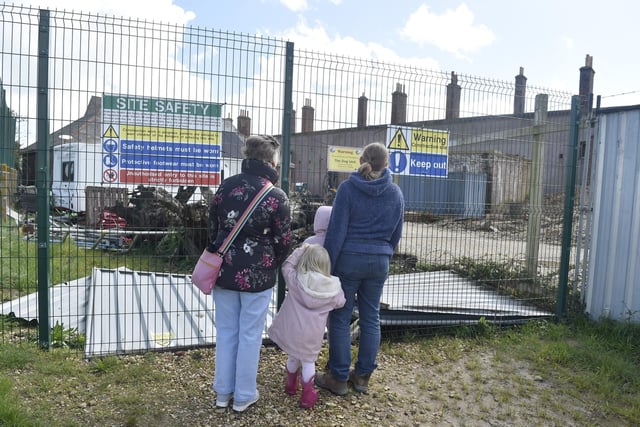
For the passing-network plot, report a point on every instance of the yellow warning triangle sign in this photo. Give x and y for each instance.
(398, 142)
(110, 133)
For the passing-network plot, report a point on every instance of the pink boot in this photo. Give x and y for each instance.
(309, 394)
(291, 386)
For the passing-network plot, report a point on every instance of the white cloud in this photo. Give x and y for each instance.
(352, 68)
(150, 10)
(295, 5)
(78, 54)
(453, 31)
(317, 39)
(336, 2)
(567, 41)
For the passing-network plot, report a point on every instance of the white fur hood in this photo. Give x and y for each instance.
(318, 285)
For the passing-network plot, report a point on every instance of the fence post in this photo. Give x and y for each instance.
(569, 196)
(42, 179)
(535, 192)
(286, 140)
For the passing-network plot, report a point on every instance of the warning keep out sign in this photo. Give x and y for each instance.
(417, 151)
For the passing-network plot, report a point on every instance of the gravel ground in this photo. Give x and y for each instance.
(425, 382)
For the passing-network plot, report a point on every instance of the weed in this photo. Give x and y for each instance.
(173, 243)
(104, 364)
(66, 338)
(483, 328)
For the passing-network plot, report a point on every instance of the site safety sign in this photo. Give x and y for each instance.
(418, 151)
(161, 141)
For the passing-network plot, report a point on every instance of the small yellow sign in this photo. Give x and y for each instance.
(429, 141)
(110, 133)
(398, 142)
(150, 133)
(162, 339)
(343, 159)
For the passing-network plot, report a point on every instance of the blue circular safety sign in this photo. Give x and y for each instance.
(397, 161)
(110, 160)
(110, 145)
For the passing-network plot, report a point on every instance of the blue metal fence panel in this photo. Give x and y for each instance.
(425, 194)
(461, 194)
(467, 193)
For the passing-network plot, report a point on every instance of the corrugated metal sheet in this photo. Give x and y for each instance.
(425, 194)
(130, 311)
(613, 289)
(123, 311)
(461, 193)
(467, 192)
(444, 297)
(68, 303)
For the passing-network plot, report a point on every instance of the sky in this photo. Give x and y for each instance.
(489, 39)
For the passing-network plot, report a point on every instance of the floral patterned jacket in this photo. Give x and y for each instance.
(252, 261)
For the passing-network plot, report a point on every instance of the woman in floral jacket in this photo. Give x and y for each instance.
(244, 287)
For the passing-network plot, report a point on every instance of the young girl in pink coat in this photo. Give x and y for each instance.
(298, 328)
(320, 224)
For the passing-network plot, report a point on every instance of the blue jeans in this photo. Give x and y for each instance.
(239, 319)
(362, 277)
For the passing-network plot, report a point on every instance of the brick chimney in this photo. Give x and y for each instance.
(586, 85)
(398, 105)
(227, 124)
(520, 93)
(307, 116)
(362, 111)
(244, 123)
(453, 98)
(293, 121)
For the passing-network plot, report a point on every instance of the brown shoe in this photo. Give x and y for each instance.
(360, 382)
(328, 382)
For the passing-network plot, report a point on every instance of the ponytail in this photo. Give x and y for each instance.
(374, 160)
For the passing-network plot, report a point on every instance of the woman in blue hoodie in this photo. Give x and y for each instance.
(363, 232)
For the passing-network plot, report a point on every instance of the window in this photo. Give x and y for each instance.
(68, 174)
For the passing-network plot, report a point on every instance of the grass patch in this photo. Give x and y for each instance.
(589, 358)
(590, 361)
(11, 412)
(17, 356)
(19, 261)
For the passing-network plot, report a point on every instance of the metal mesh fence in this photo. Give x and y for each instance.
(144, 119)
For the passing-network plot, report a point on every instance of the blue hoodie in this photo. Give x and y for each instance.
(367, 217)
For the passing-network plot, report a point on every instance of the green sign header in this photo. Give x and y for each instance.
(161, 106)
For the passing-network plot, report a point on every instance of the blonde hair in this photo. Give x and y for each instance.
(374, 159)
(315, 258)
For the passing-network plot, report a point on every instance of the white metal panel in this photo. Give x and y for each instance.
(130, 311)
(613, 284)
(67, 307)
(432, 297)
(133, 311)
(124, 311)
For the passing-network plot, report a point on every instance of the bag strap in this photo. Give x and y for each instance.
(243, 219)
